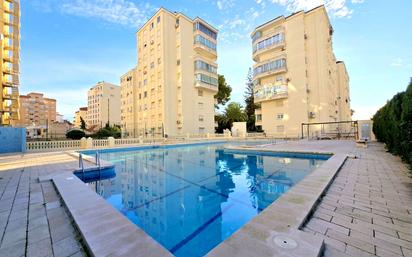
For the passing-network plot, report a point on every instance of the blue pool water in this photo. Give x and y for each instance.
(190, 198)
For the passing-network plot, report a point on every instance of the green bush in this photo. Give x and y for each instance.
(108, 131)
(75, 134)
(392, 125)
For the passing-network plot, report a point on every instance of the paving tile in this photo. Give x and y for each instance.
(14, 250)
(66, 247)
(38, 233)
(41, 248)
(13, 236)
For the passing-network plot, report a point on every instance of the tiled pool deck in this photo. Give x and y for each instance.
(366, 211)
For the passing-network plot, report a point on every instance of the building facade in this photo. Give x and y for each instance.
(36, 110)
(81, 113)
(175, 79)
(128, 104)
(103, 105)
(10, 58)
(296, 76)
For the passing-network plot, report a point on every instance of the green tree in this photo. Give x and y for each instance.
(109, 131)
(82, 123)
(233, 112)
(250, 102)
(224, 91)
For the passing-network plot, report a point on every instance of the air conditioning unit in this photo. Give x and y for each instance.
(311, 115)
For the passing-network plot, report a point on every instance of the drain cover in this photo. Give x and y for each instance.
(285, 242)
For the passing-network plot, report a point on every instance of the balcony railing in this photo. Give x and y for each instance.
(270, 92)
(269, 42)
(270, 68)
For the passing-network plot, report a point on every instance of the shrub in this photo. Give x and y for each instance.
(392, 125)
(75, 134)
(108, 131)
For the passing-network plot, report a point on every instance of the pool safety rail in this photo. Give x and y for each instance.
(89, 143)
(335, 130)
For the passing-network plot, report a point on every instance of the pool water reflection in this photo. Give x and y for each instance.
(191, 198)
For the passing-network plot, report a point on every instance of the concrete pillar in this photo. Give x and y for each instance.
(89, 143)
(208, 135)
(83, 143)
(140, 140)
(111, 141)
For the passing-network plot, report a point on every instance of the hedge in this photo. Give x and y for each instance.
(392, 125)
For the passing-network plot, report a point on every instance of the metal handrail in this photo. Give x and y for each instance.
(81, 164)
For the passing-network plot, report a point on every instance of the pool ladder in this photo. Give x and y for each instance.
(97, 161)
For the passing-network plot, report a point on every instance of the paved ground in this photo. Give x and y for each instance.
(33, 221)
(367, 211)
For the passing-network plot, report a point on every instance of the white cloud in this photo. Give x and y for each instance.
(123, 12)
(357, 1)
(225, 4)
(337, 8)
(115, 11)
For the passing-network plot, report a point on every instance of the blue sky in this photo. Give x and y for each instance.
(69, 45)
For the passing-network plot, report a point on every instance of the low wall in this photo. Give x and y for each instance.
(12, 140)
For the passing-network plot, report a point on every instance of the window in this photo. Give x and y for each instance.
(158, 19)
(145, 82)
(206, 42)
(200, 105)
(178, 62)
(145, 94)
(201, 27)
(201, 118)
(151, 65)
(206, 79)
(274, 40)
(151, 25)
(280, 128)
(279, 116)
(158, 60)
(279, 79)
(201, 65)
(256, 36)
(270, 66)
(199, 92)
(258, 117)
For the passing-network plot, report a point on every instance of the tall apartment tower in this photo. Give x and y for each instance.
(296, 77)
(128, 104)
(37, 110)
(10, 58)
(175, 78)
(103, 105)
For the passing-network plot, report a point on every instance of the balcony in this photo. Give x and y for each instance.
(204, 50)
(207, 82)
(269, 68)
(270, 92)
(7, 95)
(7, 59)
(206, 86)
(205, 46)
(272, 43)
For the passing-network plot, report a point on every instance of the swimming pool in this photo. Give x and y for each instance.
(190, 198)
